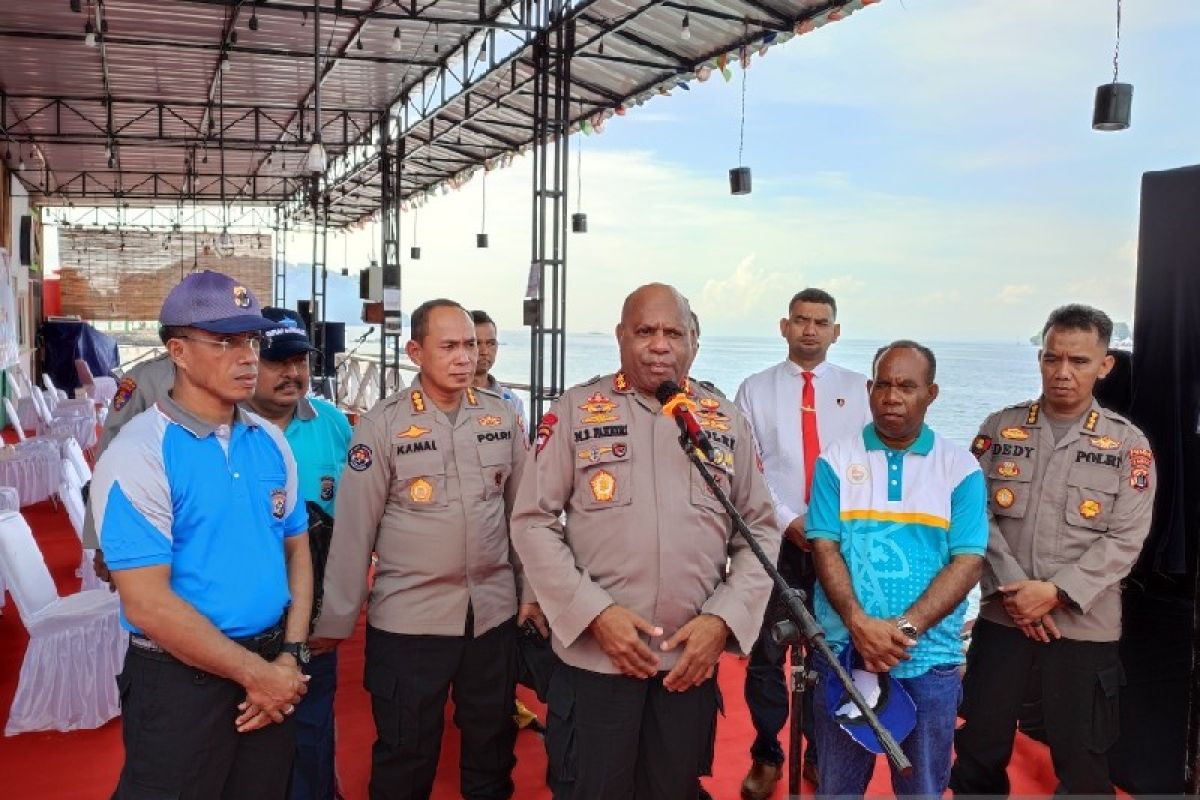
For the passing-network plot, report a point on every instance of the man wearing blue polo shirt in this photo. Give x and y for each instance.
(319, 435)
(197, 508)
(898, 524)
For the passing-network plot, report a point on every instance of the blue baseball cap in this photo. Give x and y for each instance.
(886, 696)
(215, 302)
(288, 338)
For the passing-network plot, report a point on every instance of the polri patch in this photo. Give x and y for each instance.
(278, 502)
(1140, 459)
(124, 392)
(981, 445)
(359, 458)
(545, 431)
(327, 487)
(604, 486)
(1090, 509)
(1004, 497)
(420, 491)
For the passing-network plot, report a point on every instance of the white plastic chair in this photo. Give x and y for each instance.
(22, 396)
(14, 419)
(76, 644)
(30, 466)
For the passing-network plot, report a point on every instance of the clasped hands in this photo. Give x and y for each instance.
(1029, 603)
(272, 691)
(618, 632)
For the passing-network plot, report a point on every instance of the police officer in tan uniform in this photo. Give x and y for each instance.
(428, 488)
(635, 585)
(1070, 495)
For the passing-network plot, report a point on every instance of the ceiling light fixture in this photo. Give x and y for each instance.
(89, 34)
(1114, 101)
(397, 45)
(253, 24)
(685, 30)
(315, 162)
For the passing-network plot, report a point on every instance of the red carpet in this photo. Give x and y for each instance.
(84, 764)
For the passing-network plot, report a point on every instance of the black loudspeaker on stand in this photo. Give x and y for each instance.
(799, 625)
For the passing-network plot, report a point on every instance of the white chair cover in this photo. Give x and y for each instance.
(72, 499)
(76, 644)
(14, 419)
(32, 468)
(101, 390)
(72, 450)
(76, 418)
(10, 499)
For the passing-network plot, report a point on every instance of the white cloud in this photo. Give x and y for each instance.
(1015, 293)
(746, 293)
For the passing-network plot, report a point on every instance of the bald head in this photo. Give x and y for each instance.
(655, 336)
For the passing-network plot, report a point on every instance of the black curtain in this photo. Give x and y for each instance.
(1159, 597)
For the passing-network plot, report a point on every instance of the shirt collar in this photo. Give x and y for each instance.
(196, 426)
(921, 447)
(305, 410)
(818, 371)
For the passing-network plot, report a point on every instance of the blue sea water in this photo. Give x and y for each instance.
(975, 378)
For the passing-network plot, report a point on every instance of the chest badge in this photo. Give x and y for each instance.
(326, 487)
(413, 432)
(599, 409)
(490, 421)
(1008, 469)
(1089, 509)
(604, 486)
(278, 502)
(1004, 497)
(1017, 434)
(420, 491)
(1105, 443)
(711, 415)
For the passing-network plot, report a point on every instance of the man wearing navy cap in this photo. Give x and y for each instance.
(197, 508)
(319, 436)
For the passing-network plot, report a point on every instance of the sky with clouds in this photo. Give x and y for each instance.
(931, 162)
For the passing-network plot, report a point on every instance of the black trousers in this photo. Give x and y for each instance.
(1080, 686)
(409, 678)
(621, 738)
(177, 724)
(766, 690)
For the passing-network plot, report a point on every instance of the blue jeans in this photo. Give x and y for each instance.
(313, 776)
(845, 766)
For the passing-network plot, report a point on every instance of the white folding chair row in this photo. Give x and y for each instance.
(76, 644)
(100, 389)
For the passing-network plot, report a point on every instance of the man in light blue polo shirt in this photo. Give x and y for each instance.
(319, 435)
(197, 508)
(898, 524)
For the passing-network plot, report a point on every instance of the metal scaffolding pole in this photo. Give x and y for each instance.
(279, 237)
(546, 294)
(389, 227)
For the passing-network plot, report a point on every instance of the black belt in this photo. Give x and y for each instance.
(266, 644)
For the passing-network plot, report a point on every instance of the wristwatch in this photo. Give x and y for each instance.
(906, 627)
(298, 651)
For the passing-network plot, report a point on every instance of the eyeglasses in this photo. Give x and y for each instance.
(227, 343)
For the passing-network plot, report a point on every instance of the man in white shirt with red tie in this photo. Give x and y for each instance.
(794, 407)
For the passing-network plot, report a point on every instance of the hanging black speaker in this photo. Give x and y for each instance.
(739, 180)
(579, 222)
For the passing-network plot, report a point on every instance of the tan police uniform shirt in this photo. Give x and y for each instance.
(642, 529)
(1073, 513)
(140, 388)
(432, 499)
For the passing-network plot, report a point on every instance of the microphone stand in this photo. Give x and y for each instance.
(803, 625)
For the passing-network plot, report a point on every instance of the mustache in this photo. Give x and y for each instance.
(286, 384)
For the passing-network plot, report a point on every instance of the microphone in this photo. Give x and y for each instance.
(677, 404)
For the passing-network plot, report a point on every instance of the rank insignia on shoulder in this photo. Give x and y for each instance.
(1008, 469)
(418, 401)
(1092, 418)
(278, 502)
(1140, 459)
(1004, 497)
(1018, 434)
(471, 399)
(599, 409)
(1032, 417)
(620, 382)
(1105, 443)
(359, 458)
(124, 392)
(604, 486)
(981, 445)
(413, 432)
(1089, 509)
(420, 491)
(490, 421)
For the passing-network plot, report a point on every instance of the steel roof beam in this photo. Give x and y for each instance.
(412, 15)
